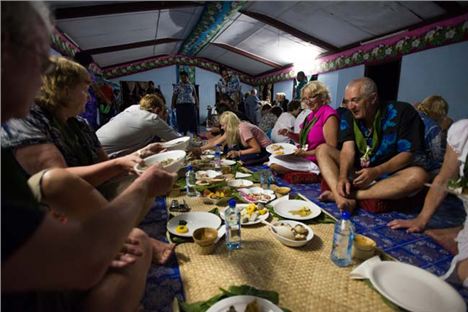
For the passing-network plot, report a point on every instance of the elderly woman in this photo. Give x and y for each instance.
(54, 136)
(436, 107)
(319, 127)
(244, 140)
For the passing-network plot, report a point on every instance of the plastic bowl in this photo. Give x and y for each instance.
(290, 242)
(363, 247)
(177, 144)
(205, 236)
(177, 156)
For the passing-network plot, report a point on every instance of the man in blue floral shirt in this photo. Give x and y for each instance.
(382, 154)
(229, 84)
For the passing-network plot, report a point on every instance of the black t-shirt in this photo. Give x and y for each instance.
(21, 215)
(402, 130)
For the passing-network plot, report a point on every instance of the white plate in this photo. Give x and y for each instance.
(288, 149)
(415, 289)
(241, 302)
(283, 207)
(177, 156)
(195, 220)
(242, 206)
(240, 175)
(227, 162)
(209, 174)
(177, 144)
(256, 190)
(290, 242)
(240, 183)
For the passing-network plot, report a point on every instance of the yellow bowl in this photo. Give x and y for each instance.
(363, 247)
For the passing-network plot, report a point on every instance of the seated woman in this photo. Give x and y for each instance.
(286, 121)
(269, 118)
(54, 136)
(245, 141)
(436, 107)
(319, 127)
(455, 166)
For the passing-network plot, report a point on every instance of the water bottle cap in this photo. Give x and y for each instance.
(345, 215)
(265, 167)
(189, 167)
(232, 202)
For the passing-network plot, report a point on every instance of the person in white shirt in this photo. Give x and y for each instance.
(286, 121)
(301, 117)
(136, 127)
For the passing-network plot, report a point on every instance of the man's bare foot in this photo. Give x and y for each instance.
(327, 196)
(445, 237)
(346, 204)
(161, 251)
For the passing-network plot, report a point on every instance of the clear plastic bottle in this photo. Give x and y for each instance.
(217, 157)
(343, 241)
(265, 177)
(233, 226)
(190, 182)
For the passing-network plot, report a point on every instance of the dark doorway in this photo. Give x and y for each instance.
(387, 77)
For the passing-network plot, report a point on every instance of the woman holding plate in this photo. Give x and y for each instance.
(319, 127)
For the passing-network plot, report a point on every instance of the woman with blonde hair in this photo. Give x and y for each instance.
(436, 107)
(319, 127)
(244, 141)
(53, 135)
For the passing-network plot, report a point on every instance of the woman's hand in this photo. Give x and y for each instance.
(150, 149)
(126, 163)
(284, 132)
(131, 250)
(234, 154)
(301, 153)
(412, 225)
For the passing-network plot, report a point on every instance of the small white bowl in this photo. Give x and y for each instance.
(240, 183)
(177, 144)
(290, 242)
(177, 156)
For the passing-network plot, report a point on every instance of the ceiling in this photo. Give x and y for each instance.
(254, 38)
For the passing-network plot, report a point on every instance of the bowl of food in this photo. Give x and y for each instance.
(292, 233)
(170, 161)
(177, 144)
(363, 247)
(238, 183)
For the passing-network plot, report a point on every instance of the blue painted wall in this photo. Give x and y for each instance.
(331, 80)
(442, 71)
(284, 86)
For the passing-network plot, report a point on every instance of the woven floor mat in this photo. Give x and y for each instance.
(305, 278)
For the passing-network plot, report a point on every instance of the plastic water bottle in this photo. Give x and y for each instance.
(217, 157)
(233, 225)
(265, 177)
(190, 182)
(343, 241)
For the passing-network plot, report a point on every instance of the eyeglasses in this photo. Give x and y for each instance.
(307, 100)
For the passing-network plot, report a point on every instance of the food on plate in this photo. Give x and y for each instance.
(182, 227)
(166, 162)
(251, 213)
(202, 182)
(216, 194)
(277, 149)
(298, 232)
(303, 212)
(255, 197)
(252, 307)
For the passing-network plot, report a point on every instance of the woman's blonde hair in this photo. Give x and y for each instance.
(231, 127)
(66, 74)
(434, 106)
(151, 101)
(316, 87)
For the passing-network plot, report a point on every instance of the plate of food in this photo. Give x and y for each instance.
(244, 303)
(250, 213)
(257, 195)
(177, 144)
(279, 149)
(292, 233)
(240, 175)
(239, 183)
(170, 161)
(208, 174)
(414, 289)
(185, 224)
(227, 162)
(297, 209)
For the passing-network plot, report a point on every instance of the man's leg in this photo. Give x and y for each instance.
(328, 159)
(122, 289)
(401, 184)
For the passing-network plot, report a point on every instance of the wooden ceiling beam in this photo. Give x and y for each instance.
(247, 54)
(290, 30)
(120, 7)
(131, 45)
